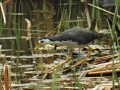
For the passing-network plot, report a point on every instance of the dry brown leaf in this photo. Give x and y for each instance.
(108, 88)
(6, 74)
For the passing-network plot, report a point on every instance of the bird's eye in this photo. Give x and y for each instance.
(41, 41)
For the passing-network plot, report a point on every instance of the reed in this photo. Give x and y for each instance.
(114, 40)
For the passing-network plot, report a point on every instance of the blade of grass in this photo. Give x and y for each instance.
(55, 78)
(114, 75)
(69, 16)
(103, 9)
(61, 20)
(77, 81)
(93, 10)
(0, 22)
(59, 10)
(17, 31)
(99, 18)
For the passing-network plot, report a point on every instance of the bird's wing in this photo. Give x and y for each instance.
(79, 35)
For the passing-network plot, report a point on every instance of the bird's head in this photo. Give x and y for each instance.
(45, 40)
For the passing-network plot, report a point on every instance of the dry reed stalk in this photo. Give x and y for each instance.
(6, 73)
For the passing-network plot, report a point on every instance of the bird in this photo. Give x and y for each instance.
(72, 38)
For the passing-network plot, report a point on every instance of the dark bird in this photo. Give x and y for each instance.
(72, 38)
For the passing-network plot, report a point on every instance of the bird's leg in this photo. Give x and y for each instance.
(60, 64)
(79, 53)
(83, 60)
(90, 50)
(69, 54)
